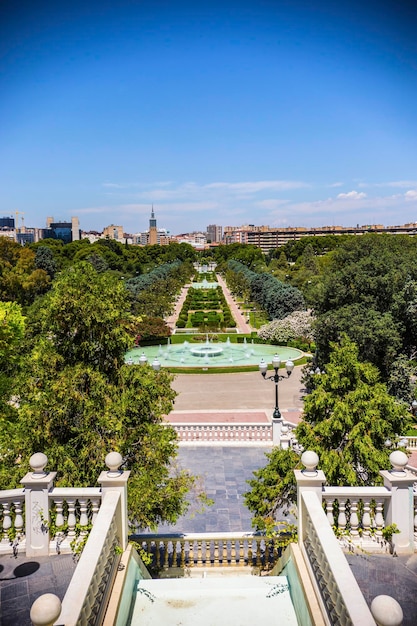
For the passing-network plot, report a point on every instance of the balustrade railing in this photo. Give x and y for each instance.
(209, 550)
(72, 512)
(356, 511)
(224, 433)
(12, 527)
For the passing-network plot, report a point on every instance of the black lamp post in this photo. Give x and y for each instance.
(276, 377)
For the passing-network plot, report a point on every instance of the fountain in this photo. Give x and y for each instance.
(212, 354)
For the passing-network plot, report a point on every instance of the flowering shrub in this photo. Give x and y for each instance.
(294, 326)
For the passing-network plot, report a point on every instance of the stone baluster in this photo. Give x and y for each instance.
(83, 515)
(366, 518)
(329, 511)
(341, 518)
(59, 508)
(72, 520)
(182, 555)
(7, 521)
(18, 517)
(199, 552)
(95, 506)
(354, 520)
(165, 548)
(379, 518)
(258, 552)
(216, 551)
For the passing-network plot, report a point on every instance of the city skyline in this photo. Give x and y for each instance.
(235, 113)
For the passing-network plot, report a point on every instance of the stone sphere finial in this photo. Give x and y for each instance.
(38, 463)
(398, 460)
(310, 460)
(45, 610)
(386, 611)
(113, 461)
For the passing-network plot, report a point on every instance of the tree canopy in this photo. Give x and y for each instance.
(349, 418)
(77, 399)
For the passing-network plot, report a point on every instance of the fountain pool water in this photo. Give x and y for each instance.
(212, 354)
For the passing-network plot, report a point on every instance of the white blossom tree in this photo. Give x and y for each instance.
(294, 326)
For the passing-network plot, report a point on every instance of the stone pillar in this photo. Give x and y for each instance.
(276, 432)
(116, 480)
(37, 486)
(401, 504)
(286, 438)
(308, 479)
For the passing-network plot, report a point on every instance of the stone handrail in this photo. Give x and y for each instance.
(210, 550)
(86, 597)
(338, 591)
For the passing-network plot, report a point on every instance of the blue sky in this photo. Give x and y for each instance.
(270, 112)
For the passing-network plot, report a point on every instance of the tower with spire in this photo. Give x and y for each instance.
(153, 232)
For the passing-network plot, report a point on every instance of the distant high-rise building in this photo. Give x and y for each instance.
(66, 231)
(214, 233)
(153, 231)
(7, 223)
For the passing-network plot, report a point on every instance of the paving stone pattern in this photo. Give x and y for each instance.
(388, 575)
(223, 472)
(23, 580)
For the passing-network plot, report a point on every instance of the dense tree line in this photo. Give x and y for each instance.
(278, 299)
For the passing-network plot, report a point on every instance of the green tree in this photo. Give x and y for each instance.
(78, 400)
(273, 490)
(348, 417)
(86, 313)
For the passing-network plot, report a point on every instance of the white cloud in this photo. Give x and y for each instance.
(270, 204)
(337, 184)
(257, 186)
(393, 183)
(411, 194)
(352, 195)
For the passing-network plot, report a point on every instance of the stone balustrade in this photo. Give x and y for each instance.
(74, 512)
(12, 525)
(237, 433)
(358, 512)
(210, 550)
(41, 519)
(411, 443)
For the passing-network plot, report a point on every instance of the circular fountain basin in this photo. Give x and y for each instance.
(206, 351)
(213, 354)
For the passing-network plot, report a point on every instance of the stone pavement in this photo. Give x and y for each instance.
(237, 391)
(22, 580)
(222, 473)
(388, 575)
